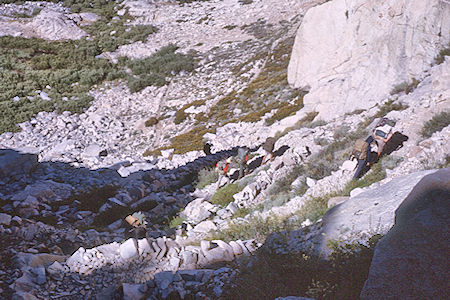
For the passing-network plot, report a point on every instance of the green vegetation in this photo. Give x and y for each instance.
(437, 123)
(224, 195)
(256, 228)
(181, 115)
(206, 177)
(151, 122)
(286, 110)
(405, 87)
(38, 75)
(271, 275)
(153, 70)
(439, 59)
(176, 221)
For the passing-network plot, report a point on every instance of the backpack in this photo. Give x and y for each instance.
(360, 149)
(269, 144)
(242, 153)
(222, 166)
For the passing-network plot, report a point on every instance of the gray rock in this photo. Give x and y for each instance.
(412, 259)
(370, 212)
(13, 163)
(5, 219)
(133, 291)
(164, 279)
(56, 271)
(39, 273)
(92, 150)
(205, 227)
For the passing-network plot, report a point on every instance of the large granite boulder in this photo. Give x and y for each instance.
(352, 53)
(412, 260)
(53, 25)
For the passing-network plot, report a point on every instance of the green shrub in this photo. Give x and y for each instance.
(256, 228)
(151, 122)
(405, 87)
(176, 221)
(283, 112)
(437, 123)
(270, 275)
(224, 195)
(439, 59)
(153, 70)
(180, 116)
(206, 177)
(242, 212)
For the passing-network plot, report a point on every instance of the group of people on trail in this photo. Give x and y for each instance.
(362, 151)
(241, 159)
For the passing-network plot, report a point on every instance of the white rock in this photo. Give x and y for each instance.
(128, 249)
(205, 227)
(310, 182)
(356, 68)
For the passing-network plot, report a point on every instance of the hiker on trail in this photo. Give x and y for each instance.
(268, 146)
(382, 133)
(138, 223)
(362, 152)
(222, 168)
(242, 155)
(207, 148)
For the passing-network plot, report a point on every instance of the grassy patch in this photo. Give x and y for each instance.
(181, 115)
(206, 177)
(256, 228)
(437, 123)
(406, 87)
(176, 221)
(39, 75)
(285, 110)
(154, 69)
(224, 195)
(439, 59)
(151, 122)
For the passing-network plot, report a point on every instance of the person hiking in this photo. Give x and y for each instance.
(138, 224)
(242, 155)
(268, 146)
(222, 168)
(207, 148)
(382, 133)
(362, 153)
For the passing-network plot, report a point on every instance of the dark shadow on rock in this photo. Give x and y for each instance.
(280, 151)
(395, 143)
(254, 164)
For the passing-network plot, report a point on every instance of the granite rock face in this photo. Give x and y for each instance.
(351, 54)
(411, 261)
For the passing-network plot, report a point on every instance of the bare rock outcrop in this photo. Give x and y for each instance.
(351, 54)
(411, 261)
(49, 24)
(53, 25)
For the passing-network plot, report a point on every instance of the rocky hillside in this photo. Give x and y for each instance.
(113, 120)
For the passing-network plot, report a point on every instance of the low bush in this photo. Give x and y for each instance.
(255, 228)
(224, 195)
(270, 275)
(437, 123)
(206, 177)
(176, 221)
(439, 59)
(151, 122)
(406, 87)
